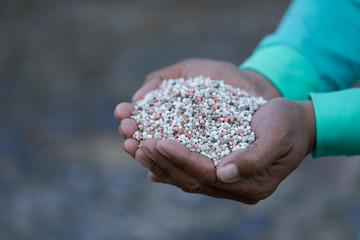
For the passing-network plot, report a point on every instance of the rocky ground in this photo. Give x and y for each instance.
(63, 174)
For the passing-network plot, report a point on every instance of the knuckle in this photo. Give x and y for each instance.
(188, 165)
(158, 173)
(183, 165)
(169, 170)
(208, 179)
(196, 187)
(253, 161)
(287, 143)
(265, 187)
(204, 175)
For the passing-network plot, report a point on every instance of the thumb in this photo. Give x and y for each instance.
(151, 82)
(247, 162)
(154, 79)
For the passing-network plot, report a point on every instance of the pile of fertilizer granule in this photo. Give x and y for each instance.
(207, 116)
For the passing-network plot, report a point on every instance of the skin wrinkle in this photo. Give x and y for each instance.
(168, 167)
(210, 191)
(204, 178)
(273, 125)
(160, 100)
(151, 176)
(160, 173)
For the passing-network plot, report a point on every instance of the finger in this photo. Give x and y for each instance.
(142, 159)
(178, 171)
(215, 193)
(193, 163)
(153, 80)
(153, 178)
(151, 83)
(128, 127)
(123, 110)
(247, 162)
(130, 146)
(149, 148)
(202, 173)
(192, 184)
(156, 170)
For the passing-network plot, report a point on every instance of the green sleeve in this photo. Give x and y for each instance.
(316, 48)
(289, 71)
(327, 33)
(337, 117)
(323, 34)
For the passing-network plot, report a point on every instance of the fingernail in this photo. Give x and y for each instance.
(229, 173)
(144, 163)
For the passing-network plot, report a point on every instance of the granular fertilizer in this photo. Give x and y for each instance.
(207, 116)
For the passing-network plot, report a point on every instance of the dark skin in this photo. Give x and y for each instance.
(285, 134)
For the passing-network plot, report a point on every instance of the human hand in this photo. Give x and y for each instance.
(285, 134)
(248, 80)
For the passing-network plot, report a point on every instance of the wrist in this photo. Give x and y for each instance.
(309, 123)
(260, 84)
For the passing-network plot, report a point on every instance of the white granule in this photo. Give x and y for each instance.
(207, 116)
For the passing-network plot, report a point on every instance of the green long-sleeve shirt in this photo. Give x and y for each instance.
(315, 52)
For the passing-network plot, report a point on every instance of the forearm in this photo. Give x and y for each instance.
(315, 48)
(327, 34)
(333, 118)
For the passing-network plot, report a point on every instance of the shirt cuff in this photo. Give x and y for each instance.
(288, 70)
(337, 119)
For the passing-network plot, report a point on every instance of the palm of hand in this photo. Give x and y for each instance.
(172, 163)
(261, 167)
(250, 81)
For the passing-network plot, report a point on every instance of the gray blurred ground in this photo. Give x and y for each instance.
(64, 65)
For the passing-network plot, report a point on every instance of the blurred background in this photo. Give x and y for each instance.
(64, 65)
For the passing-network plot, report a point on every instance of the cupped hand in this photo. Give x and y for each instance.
(248, 80)
(285, 134)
